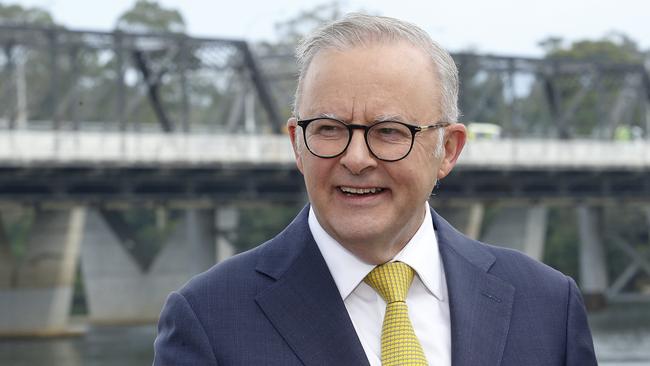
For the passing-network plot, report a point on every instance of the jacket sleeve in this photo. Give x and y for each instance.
(181, 338)
(579, 347)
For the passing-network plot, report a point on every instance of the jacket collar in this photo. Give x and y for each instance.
(480, 304)
(304, 304)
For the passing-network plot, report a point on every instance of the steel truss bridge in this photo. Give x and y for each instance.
(62, 80)
(111, 118)
(66, 95)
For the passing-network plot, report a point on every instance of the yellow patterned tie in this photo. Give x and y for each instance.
(399, 345)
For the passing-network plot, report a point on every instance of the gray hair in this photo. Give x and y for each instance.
(359, 30)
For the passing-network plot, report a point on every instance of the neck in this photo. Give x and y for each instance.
(376, 255)
(384, 246)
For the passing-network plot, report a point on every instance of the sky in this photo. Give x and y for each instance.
(506, 27)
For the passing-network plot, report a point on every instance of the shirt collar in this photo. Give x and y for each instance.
(421, 253)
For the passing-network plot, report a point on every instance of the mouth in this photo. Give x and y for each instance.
(354, 191)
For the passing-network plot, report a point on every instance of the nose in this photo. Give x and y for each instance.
(357, 158)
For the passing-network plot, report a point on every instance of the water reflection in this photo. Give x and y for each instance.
(622, 335)
(624, 348)
(619, 341)
(99, 346)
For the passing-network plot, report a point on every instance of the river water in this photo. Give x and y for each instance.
(621, 338)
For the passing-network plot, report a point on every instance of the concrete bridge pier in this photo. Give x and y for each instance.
(36, 286)
(227, 221)
(467, 219)
(519, 227)
(593, 266)
(118, 289)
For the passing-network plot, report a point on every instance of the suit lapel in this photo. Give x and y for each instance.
(304, 304)
(480, 303)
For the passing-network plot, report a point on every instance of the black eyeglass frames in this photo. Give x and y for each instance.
(386, 140)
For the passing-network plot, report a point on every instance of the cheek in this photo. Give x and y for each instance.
(423, 159)
(315, 170)
(418, 177)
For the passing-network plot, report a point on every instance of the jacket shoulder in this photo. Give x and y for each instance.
(527, 274)
(236, 271)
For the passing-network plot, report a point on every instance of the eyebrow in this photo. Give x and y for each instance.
(330, 115)
(390, 117)
(321, 115)
(379, 118)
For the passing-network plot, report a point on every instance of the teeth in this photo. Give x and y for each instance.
(360, 190)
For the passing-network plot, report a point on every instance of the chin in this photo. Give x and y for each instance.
(355, 229)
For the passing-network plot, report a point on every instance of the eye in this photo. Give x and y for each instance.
(387, 131)
(390, 132)
(328, 128)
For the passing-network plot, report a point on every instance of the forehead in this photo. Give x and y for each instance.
(365, 82)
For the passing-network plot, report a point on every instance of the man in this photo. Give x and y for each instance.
(374, 129)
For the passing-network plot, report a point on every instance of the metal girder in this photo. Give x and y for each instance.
(261, 87)
(188, 59)
(623, 100)
(224, 183)
(228, 56)
(153, 88)
(575, 101)
(638, 263)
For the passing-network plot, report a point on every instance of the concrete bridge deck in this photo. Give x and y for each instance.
(107, 166)
(115, 149)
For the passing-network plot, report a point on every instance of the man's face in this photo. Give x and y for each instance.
(363, 85)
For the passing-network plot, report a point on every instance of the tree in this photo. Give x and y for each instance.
(18, 15)
(615, 47)
(25, 68)
(277, 58)
(598, 92)
(147, 16)
(154, 63)
(290, 31)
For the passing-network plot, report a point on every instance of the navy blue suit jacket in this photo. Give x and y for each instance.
(277, 304)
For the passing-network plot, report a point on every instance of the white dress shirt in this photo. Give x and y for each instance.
(427, 298)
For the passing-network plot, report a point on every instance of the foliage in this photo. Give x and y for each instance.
(148, 231)
(16, 232)
(628, 225)
(481, 98)
(148, 16)
(167, 59)
(18, 15)
(291, 31)
(585, 99)
(562, 241)
(613, 48)
(277, 57)
(260, 223)
(602, 106)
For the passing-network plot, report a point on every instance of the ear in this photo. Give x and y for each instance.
(292, 128)
(455, 137)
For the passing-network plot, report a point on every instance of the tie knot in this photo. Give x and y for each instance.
(391, 281)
